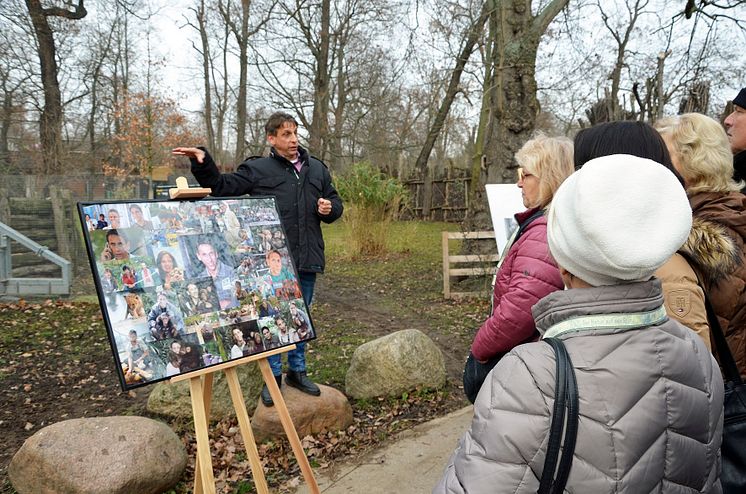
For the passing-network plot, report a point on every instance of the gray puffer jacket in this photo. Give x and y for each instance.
(651, 402)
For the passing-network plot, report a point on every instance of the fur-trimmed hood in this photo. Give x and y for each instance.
(711, 250)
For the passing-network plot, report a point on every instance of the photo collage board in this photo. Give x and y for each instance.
(184, 285)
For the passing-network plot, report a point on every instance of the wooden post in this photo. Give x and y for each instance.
(446, 268)
(287, 424)
(205, 481)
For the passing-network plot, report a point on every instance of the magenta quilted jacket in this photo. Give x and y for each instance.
(527, 274)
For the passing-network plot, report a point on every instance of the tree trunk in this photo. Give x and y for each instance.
(243, 60)
(445, 106)
(319, 130)
(211, 144)
(50, 121)
(513, 106)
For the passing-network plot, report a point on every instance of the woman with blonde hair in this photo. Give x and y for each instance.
(526, 271)
(700, 152)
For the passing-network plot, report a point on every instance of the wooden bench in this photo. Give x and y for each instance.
(487, 267)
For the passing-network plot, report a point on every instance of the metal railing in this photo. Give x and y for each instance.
(30, 286)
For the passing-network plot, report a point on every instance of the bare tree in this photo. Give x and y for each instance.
(50, 123)
(242, 33)
(510, 98)
(469, 41)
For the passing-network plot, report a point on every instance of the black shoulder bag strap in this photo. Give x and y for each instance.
(565, 398)
(730, 369)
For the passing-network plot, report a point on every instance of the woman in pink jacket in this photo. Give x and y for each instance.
(526, 271)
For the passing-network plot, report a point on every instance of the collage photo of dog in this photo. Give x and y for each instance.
(185, 285)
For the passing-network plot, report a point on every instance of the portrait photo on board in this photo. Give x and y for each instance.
(184, 285)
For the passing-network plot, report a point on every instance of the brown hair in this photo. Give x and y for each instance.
(276, 121)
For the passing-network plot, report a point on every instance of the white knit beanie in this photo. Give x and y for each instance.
(618, 219)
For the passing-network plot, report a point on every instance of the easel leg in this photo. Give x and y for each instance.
(207, 397)
(287, 424)
(204, 462)
(248, 435)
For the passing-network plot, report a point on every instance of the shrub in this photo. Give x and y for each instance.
(372, 201)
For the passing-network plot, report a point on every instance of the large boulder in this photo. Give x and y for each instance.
(173, 400)
(331, 411)
(101, 455)
(395, 363)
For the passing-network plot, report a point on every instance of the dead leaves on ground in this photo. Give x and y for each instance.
(374, 423)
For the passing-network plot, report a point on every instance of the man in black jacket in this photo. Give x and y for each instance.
(735, 127)
(305, 197)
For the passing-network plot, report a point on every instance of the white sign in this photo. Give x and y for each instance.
(504, 201)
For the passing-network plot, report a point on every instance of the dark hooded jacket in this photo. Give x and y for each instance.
(739, 168)
(296, 193)
(718, 254)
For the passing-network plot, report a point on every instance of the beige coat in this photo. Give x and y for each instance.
(684, 298)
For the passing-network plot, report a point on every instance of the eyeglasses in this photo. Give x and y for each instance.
(523, 174)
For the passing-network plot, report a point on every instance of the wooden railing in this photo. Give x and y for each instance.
(486, 263)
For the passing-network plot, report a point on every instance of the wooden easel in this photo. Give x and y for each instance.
(200, 389)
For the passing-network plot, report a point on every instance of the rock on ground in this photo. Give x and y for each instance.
(331, 411)
(100, 455)
(395, 363)
(173, 400)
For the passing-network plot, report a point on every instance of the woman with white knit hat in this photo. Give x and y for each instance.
(650, 393)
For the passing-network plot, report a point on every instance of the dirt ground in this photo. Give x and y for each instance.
(49, 373)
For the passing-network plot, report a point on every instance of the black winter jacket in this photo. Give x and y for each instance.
(296, 194)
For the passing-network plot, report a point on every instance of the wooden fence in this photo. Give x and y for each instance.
(449, 199)
(477, 264)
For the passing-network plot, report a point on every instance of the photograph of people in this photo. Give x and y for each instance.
(239, 292)
(228, 224)
(102, 223)
(255, 342)
(164, 305)
(138, 218)
(284, 285)
(110, 286)
(117, 246)
(184, 355)
(129, 279)
(195, 298)
(270, 339)
(245, 242)
(285, 335)
(268, 309)
(89, 223)
(239, 348)
(114, 219)
(168, 269)
(209, 341)
(300, 322)
(174, 361)
(138, 354)
(207, 301)
(191, 356)
(164, 327)
(148, 278)
(221, 273)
